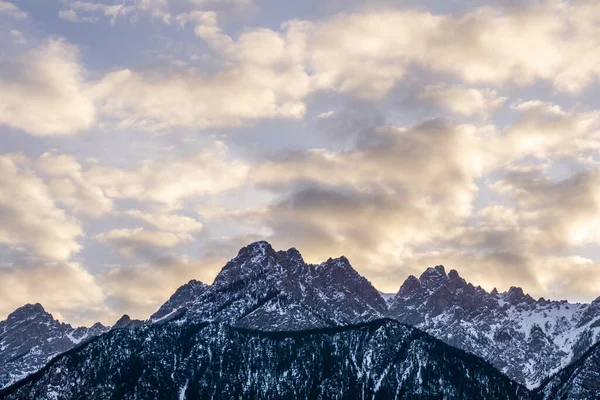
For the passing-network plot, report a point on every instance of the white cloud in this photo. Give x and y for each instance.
(462, 100)
(44, 93)
(131, 242)
(168, 222)
(140, 289)
(67, 290)
(126, 9)
(69, 187)
(546, 130)
(11, 10)
(17, 37)
(29, 216)
(169, 182)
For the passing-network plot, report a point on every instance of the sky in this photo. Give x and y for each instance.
(143, 142)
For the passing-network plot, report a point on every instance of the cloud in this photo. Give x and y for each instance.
(8, 8)
(168, 182)
(67, 290)
(267, 73)
(134, 10)
(564, 212)
(29, 215)
(126, 9)
(72, 16)
(68, 186)
(546, 130)
(165, 231)
(140, 289)
(262, 78)
(366, 53)
(139, 241)
(462, 100)
(17, 37)
(367, 202)
(44, 93)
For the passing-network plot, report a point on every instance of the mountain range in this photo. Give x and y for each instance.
(288, 322)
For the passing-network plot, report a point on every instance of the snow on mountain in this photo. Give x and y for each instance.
(277, 290)
(381, 359)
(30, 336)
(580, 380)
(525, 338)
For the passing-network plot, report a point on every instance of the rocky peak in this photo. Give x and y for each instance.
(434, 277)
(255, 249)
(453, 274)
(292, 255)
(515, 295)
(27, 311)
(340, 263)
(98, 325)
(410, 286)
(180, 300)
(125, 322)
(254, 259)
(30, 336)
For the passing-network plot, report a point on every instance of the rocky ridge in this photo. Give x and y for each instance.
(525, 338)
(30, 337)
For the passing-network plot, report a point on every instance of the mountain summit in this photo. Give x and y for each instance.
(30, 336)
(277, 291)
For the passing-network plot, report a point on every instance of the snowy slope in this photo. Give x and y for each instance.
(525, 338)
(270, 290)
(276, 291)
(381, 360)
(30, 337)
(579, 381)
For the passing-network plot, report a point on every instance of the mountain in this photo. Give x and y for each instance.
(125, 322)
(277, 290)
(578, 381)
(381, 359)
(30, 336)
(527, 339)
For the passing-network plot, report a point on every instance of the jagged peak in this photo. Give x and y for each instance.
(125, 319)
(438, 270)
(292, 254)
(340, 262)
(261, 247)
(193, 283)
(249, 260)
(98, 325)
(126, 322)
(453, 274)
(28, 310)
(433, 277)
(515, 295)
(410, 285)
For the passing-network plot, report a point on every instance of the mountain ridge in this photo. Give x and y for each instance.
(525, 338)
(377, 358)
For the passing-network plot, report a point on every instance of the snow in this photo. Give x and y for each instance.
(182, 390)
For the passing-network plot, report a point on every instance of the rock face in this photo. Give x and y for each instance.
(276, 291)
(579, 381)
(262, 288)
(180, 300)
(527, 339)
(30, 337)
(187, 360)
(125, 322)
